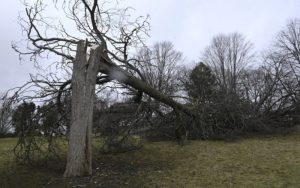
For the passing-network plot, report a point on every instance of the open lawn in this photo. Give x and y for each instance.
(272, 161)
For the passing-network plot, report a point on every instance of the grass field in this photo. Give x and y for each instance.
(272, 161)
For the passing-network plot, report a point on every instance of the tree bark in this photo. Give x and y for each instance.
(79, 160)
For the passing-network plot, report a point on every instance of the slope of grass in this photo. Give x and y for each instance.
(269, 162)
(253, 162)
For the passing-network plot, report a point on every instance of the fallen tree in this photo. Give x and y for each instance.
(116, 73)
(95, 22)
(83, 88)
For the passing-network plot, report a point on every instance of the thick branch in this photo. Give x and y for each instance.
(116, 73)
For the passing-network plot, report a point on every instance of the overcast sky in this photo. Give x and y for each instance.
(189, 24)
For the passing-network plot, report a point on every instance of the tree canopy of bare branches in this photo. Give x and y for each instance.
(228, 55)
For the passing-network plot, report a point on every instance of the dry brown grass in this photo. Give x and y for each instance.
(254, 162)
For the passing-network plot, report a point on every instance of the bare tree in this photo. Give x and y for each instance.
(253, 84)
(259, 86)
(109, 34)
(159, 66)
(228, 55)
(287, 47)
(284, 65)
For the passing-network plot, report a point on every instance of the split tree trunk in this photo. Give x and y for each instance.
(79, 161)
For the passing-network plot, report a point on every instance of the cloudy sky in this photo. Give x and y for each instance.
(189, 24)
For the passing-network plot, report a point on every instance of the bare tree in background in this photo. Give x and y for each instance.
(159, 66)
(259, 86)
(283, 60)
(253, 84)
(228, 55)
(287, 47)
(274, 87)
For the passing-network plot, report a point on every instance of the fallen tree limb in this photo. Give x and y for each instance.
(116, 73)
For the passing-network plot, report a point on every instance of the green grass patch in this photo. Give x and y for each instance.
(272, 161)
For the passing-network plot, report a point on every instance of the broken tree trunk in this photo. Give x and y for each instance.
(79, 160)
